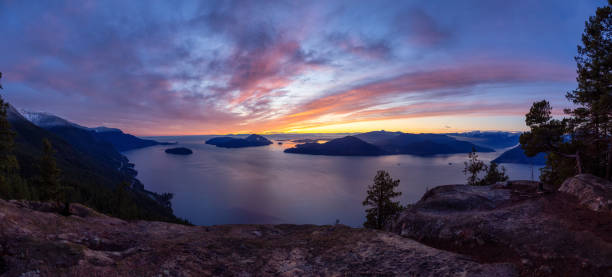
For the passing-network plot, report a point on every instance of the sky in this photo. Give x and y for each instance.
(219, 67)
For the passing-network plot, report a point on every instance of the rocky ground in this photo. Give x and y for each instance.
(456, 230)
(34, 241)
(555, 233)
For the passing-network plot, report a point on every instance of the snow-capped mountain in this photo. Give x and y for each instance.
(121, 141)
(103, 129)
(45, 120)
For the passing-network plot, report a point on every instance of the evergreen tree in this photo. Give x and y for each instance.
(11, 184)
(382, 208)
(124, 206)
(473, 167)
(591, 120)
(547, 135)
(50, 188)
(582, 142)
(495, 174)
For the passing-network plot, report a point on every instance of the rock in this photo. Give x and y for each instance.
(592, 191)
(80, 246)
(540, 234)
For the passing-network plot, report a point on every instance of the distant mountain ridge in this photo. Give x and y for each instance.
(46, 120)
(517, 155)
(492, 139)
(120, 140)
(389, 143)
(422, 144)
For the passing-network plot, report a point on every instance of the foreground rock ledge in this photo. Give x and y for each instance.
(38, 243)
(593, 192)
(542, 234)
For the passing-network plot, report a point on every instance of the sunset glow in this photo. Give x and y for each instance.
(207, 67)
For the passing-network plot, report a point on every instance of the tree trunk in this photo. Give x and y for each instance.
(578, 163)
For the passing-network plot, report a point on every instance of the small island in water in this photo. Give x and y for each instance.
(233, 142)
(179, 151)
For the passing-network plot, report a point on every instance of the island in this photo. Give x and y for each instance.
(233, 142)
(346, 146)
(179, 151)
(388, 143)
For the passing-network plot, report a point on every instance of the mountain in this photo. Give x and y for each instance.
(493, 139)
(45, 120)
(419, 144)
(122, 141)
(231, 142)
(117, 138)
(102, 129)
(516, 155)
(92, 167)
(375, 137)
(346, 146)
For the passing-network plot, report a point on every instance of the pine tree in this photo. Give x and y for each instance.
(473, 167)
(11, 184)
(495, 174)
(382, 208)
(581, 143)
(124, 206)
(591, 120)
(547, 135)
(50, 175)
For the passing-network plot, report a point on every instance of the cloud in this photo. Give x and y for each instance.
(429, 85)
(419, 28)
(231, 66)
(361, 46)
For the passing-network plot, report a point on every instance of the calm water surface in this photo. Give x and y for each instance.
(264, 185)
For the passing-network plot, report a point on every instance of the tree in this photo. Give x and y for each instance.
(495, 174)
(124, 206)
(165, 199)
(50, 188)
(548, 135)
(382, 208)
(474, 166)
(591, 120)
(583, 141)
(11, 184)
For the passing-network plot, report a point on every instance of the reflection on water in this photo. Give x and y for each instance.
(265, 185)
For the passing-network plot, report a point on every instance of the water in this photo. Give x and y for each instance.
(264, 185)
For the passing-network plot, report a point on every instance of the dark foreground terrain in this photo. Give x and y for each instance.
(38, 243)
(456, 230)
(556, 233)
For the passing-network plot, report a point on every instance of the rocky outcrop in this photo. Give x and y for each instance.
(542, 234)
(593, 192)
(35, 241)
